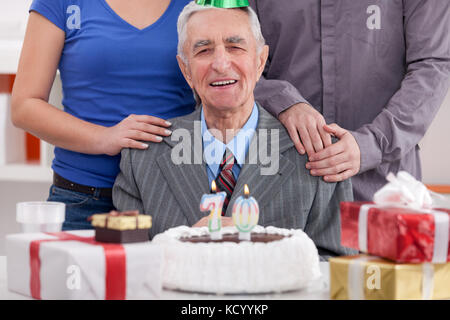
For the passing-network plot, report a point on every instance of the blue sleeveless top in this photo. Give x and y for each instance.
(109, 70)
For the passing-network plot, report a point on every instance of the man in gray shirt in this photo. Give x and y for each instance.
(377, 70)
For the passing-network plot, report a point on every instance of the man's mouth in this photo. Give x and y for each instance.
(223, 83)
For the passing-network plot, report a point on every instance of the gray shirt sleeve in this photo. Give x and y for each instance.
(409, 113)
(276, 95)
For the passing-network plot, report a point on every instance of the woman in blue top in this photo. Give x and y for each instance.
(120, 78)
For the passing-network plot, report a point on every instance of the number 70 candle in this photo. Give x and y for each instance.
(213, 202)
(245, 214)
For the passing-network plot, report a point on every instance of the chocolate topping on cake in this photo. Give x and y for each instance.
(234, 237)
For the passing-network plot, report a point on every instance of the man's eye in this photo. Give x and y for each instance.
(236, 48)
(203, 51)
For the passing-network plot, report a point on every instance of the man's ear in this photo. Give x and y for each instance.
(185, 70)
(262, 59)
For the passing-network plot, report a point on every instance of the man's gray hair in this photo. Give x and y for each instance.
(192, 8)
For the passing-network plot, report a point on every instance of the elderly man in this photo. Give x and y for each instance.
(222, 55)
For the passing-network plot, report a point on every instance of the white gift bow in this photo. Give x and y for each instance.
(356, 278)
(404, 191)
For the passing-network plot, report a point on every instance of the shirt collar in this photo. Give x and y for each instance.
(213, 149)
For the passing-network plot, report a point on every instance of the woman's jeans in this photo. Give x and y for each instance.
(80, 206)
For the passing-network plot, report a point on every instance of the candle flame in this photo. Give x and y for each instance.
(213, 186)
(246, 190)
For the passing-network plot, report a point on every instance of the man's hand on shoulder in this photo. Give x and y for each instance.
(338, 161)
(305, 126)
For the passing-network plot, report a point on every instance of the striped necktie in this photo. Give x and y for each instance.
(225, 181)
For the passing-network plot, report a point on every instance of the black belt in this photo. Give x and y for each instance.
(72, 186)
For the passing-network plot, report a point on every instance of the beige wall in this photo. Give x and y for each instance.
(435, 148)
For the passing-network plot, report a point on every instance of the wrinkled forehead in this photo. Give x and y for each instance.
(219, 25)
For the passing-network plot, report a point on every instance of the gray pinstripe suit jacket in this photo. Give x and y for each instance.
(150, 182)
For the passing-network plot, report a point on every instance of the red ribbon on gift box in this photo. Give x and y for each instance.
(115, 273)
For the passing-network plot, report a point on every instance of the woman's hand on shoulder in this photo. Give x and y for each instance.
(131, 132)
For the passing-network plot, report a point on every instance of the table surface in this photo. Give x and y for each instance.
(319, 290)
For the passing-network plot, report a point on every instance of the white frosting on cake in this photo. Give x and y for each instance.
(246, 267)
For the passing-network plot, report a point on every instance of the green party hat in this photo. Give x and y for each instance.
(226, 4)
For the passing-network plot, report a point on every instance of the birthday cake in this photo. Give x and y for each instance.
(274, 260)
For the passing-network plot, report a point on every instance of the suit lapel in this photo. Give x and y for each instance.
(263, 187)
(188, 182)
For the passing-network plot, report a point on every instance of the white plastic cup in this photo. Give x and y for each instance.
(40, 216)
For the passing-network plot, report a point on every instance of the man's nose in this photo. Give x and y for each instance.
(221, 60)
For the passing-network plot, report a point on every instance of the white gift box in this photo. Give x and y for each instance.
(78, 270)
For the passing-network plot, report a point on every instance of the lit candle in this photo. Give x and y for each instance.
(245, 214)
(213, 203)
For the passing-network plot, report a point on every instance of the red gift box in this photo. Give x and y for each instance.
(400, 234)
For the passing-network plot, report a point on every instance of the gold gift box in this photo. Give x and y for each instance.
(385, 280)
(121, 222)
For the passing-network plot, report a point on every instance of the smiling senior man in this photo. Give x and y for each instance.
(222, 54)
